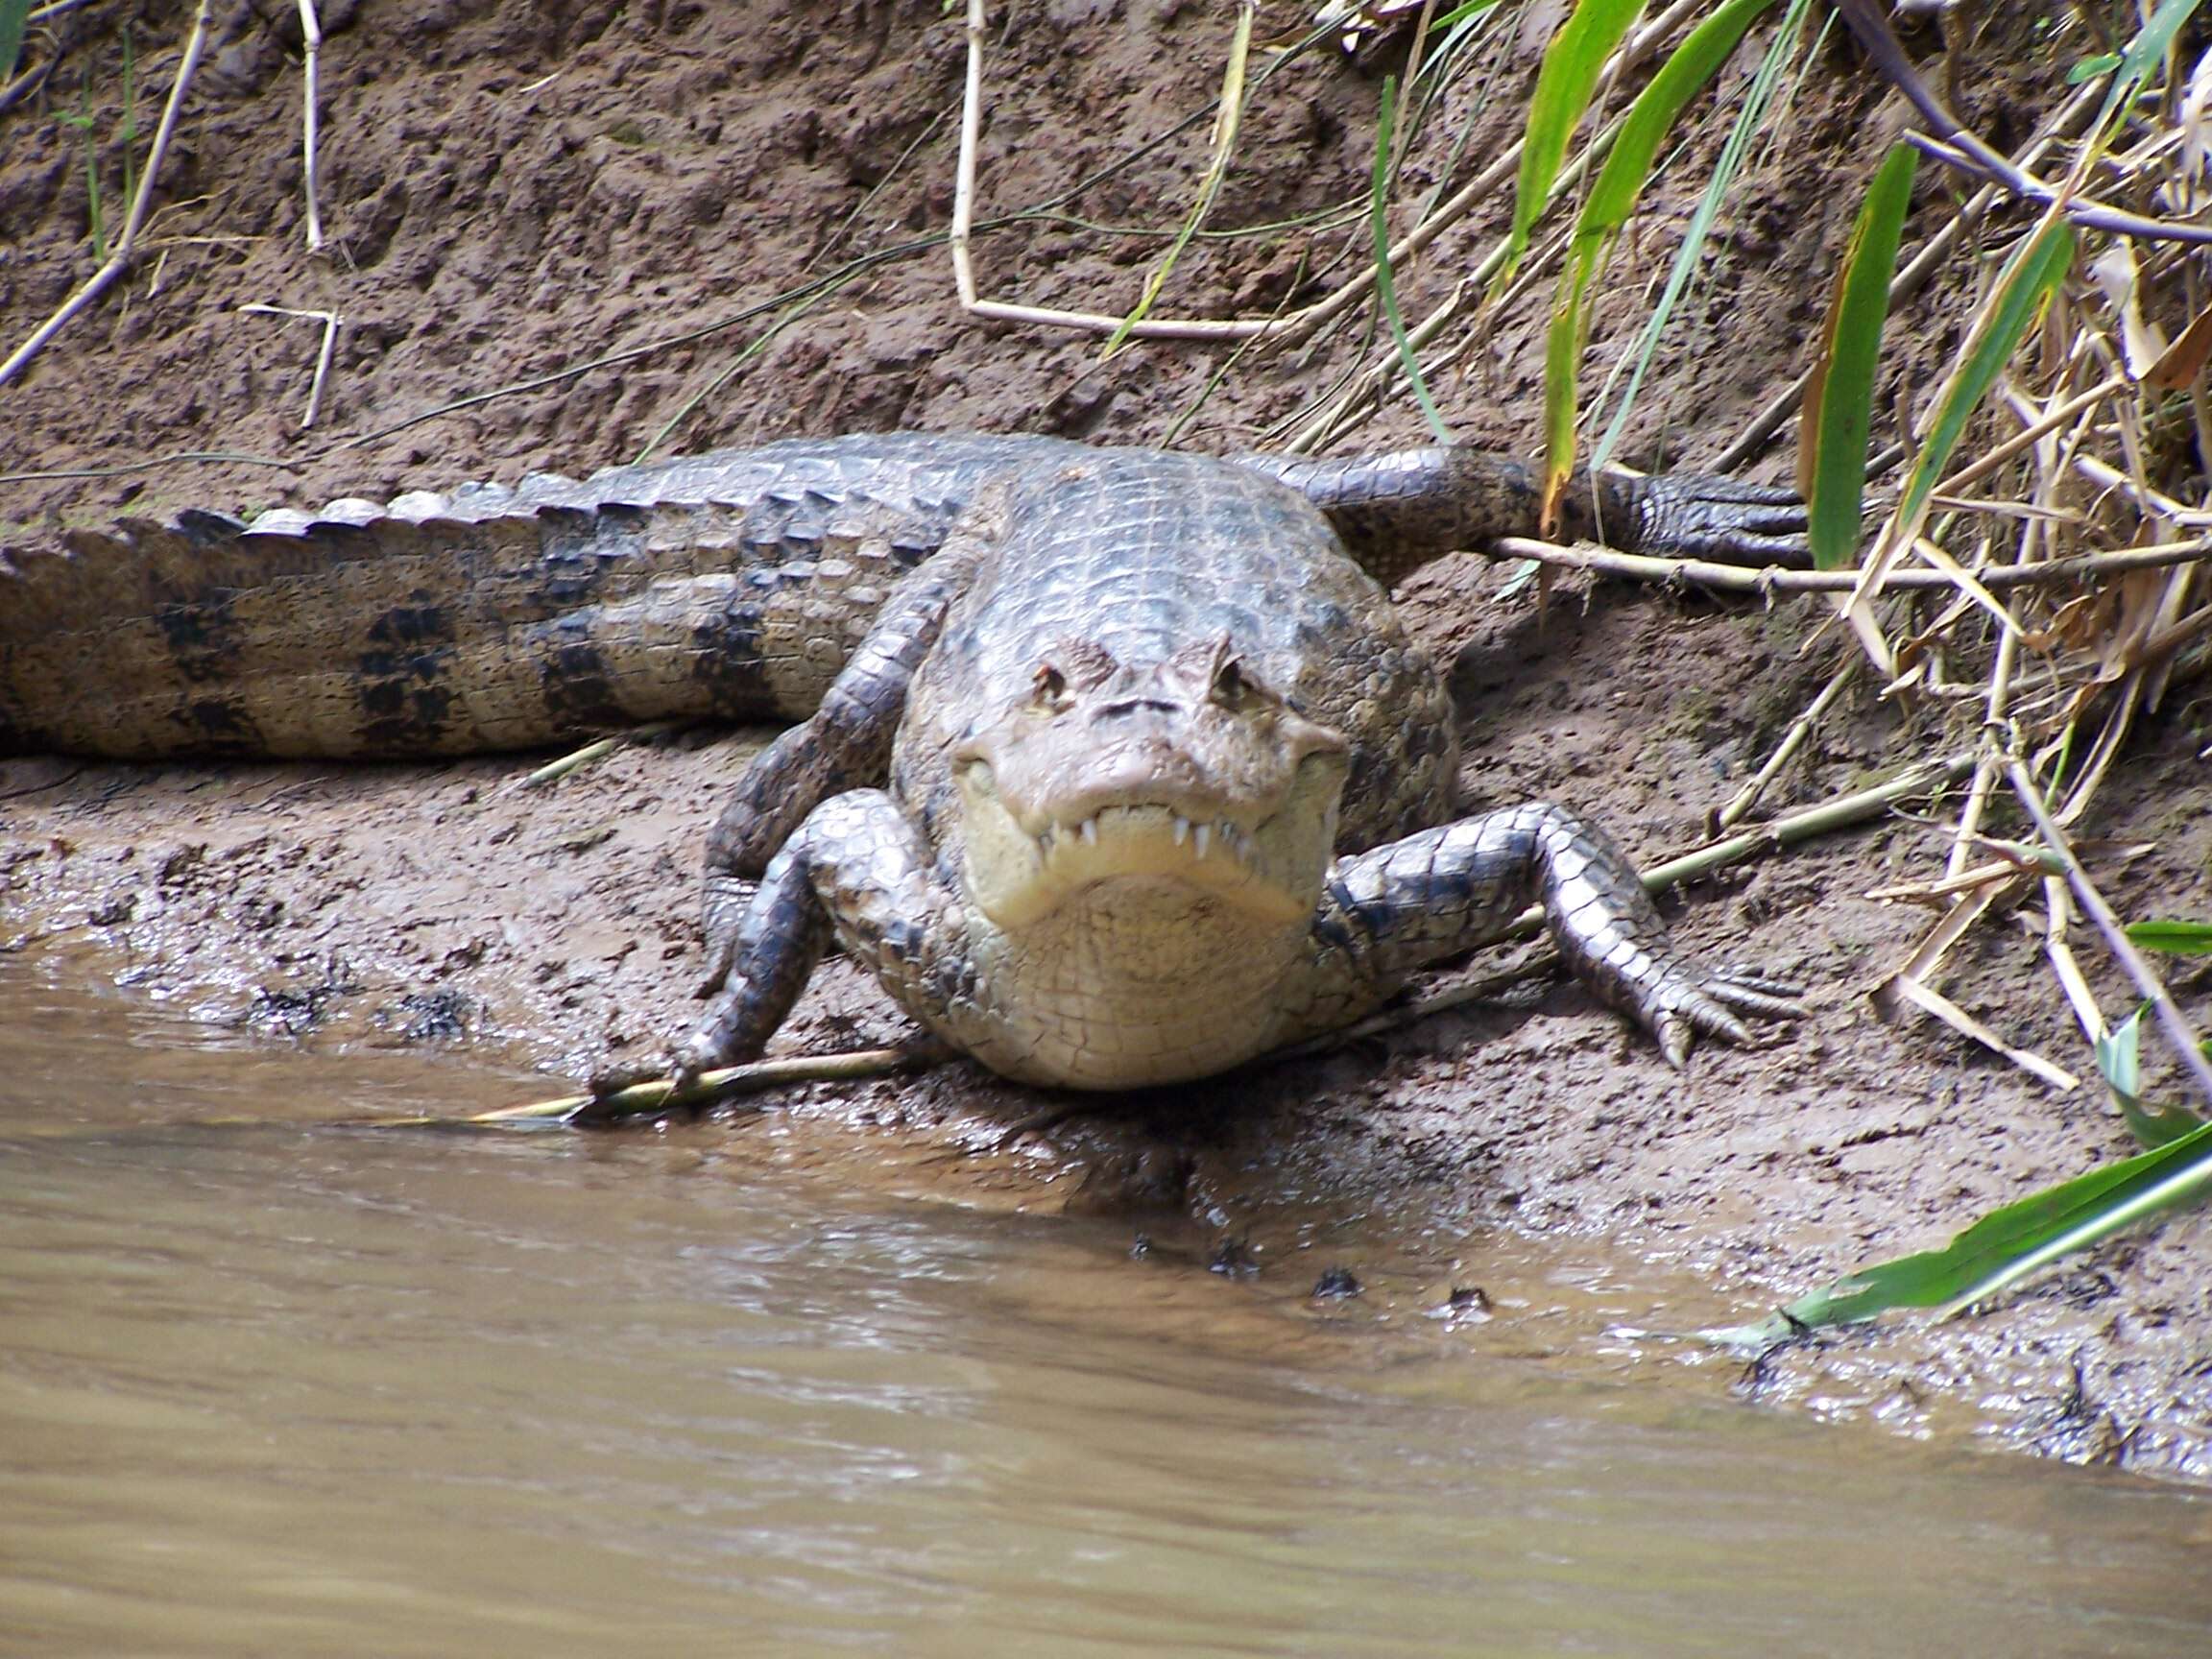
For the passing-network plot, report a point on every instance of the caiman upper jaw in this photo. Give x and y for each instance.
(1273, 868)
(1224, 837)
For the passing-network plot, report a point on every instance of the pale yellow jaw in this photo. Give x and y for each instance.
(1018, 878)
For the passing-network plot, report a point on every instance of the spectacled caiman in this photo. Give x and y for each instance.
(1114, 766)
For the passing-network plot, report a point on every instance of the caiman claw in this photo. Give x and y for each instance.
(1681, 1004)
(1692, 515)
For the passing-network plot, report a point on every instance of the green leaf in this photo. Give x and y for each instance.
(1385, 288)
(2089, 69)
(2143, 57)
(2030, 276)
(2177, 938)
(2119, 1058)
(2148, 49)
(1619, 183)
(1563, 89)
(12, 15)
(1839, 396)
(2006, 1246)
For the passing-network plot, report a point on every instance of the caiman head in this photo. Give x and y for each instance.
(1190, 773)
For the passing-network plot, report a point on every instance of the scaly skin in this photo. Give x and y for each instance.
(1170, 787)
(731, 586)
(1167, 784)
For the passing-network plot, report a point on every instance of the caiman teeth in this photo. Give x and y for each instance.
(1222, 838)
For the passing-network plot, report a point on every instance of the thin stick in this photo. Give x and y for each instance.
(330, 350)
(2147, 984)
(222, 457)
(1773, 579)
(311, 37)
(661, 1094)
(330, 321)
(554, 770)
(1800, 729)
(126, 245)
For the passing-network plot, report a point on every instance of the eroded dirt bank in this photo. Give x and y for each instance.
(516, 190)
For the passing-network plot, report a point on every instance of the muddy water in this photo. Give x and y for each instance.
(288, 1388)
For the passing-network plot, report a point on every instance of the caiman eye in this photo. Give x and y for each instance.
(1049, 689)
(1232, 689)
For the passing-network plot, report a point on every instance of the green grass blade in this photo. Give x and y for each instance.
(1226, 124)
(13, 13)
(1385, 287)
(1690, 257)
(1612, 197)
(2008, 1245)
(1839, 396)
(1562, 367)
(2177, 938)
(1564, 87)
(1453, 30)
(1651, 116)
(2145, 55)
(2030, 276)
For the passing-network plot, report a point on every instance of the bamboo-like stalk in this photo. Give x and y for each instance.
(1773, 579)
(2152, 989)
(311, 41)
(331, 323)
(126, 245)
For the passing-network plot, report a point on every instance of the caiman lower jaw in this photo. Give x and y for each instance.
(1017, 877)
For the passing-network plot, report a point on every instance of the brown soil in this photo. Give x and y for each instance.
(516, 190)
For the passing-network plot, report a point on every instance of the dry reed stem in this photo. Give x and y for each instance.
(2058, 906)
(1930, 1000)
(1738, 805)
(658, 1095)
(1774, 579)
(2171, 1019)
(311, 41)
(126, 245)
(331, 323)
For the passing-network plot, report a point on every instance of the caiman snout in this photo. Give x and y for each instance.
(1188, 770)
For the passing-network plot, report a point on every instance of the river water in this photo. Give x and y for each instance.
(286, 1388)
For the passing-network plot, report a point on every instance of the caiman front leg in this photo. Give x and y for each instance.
(1385, 912)
(1398, 510)
(858, 866)
(845, 744)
